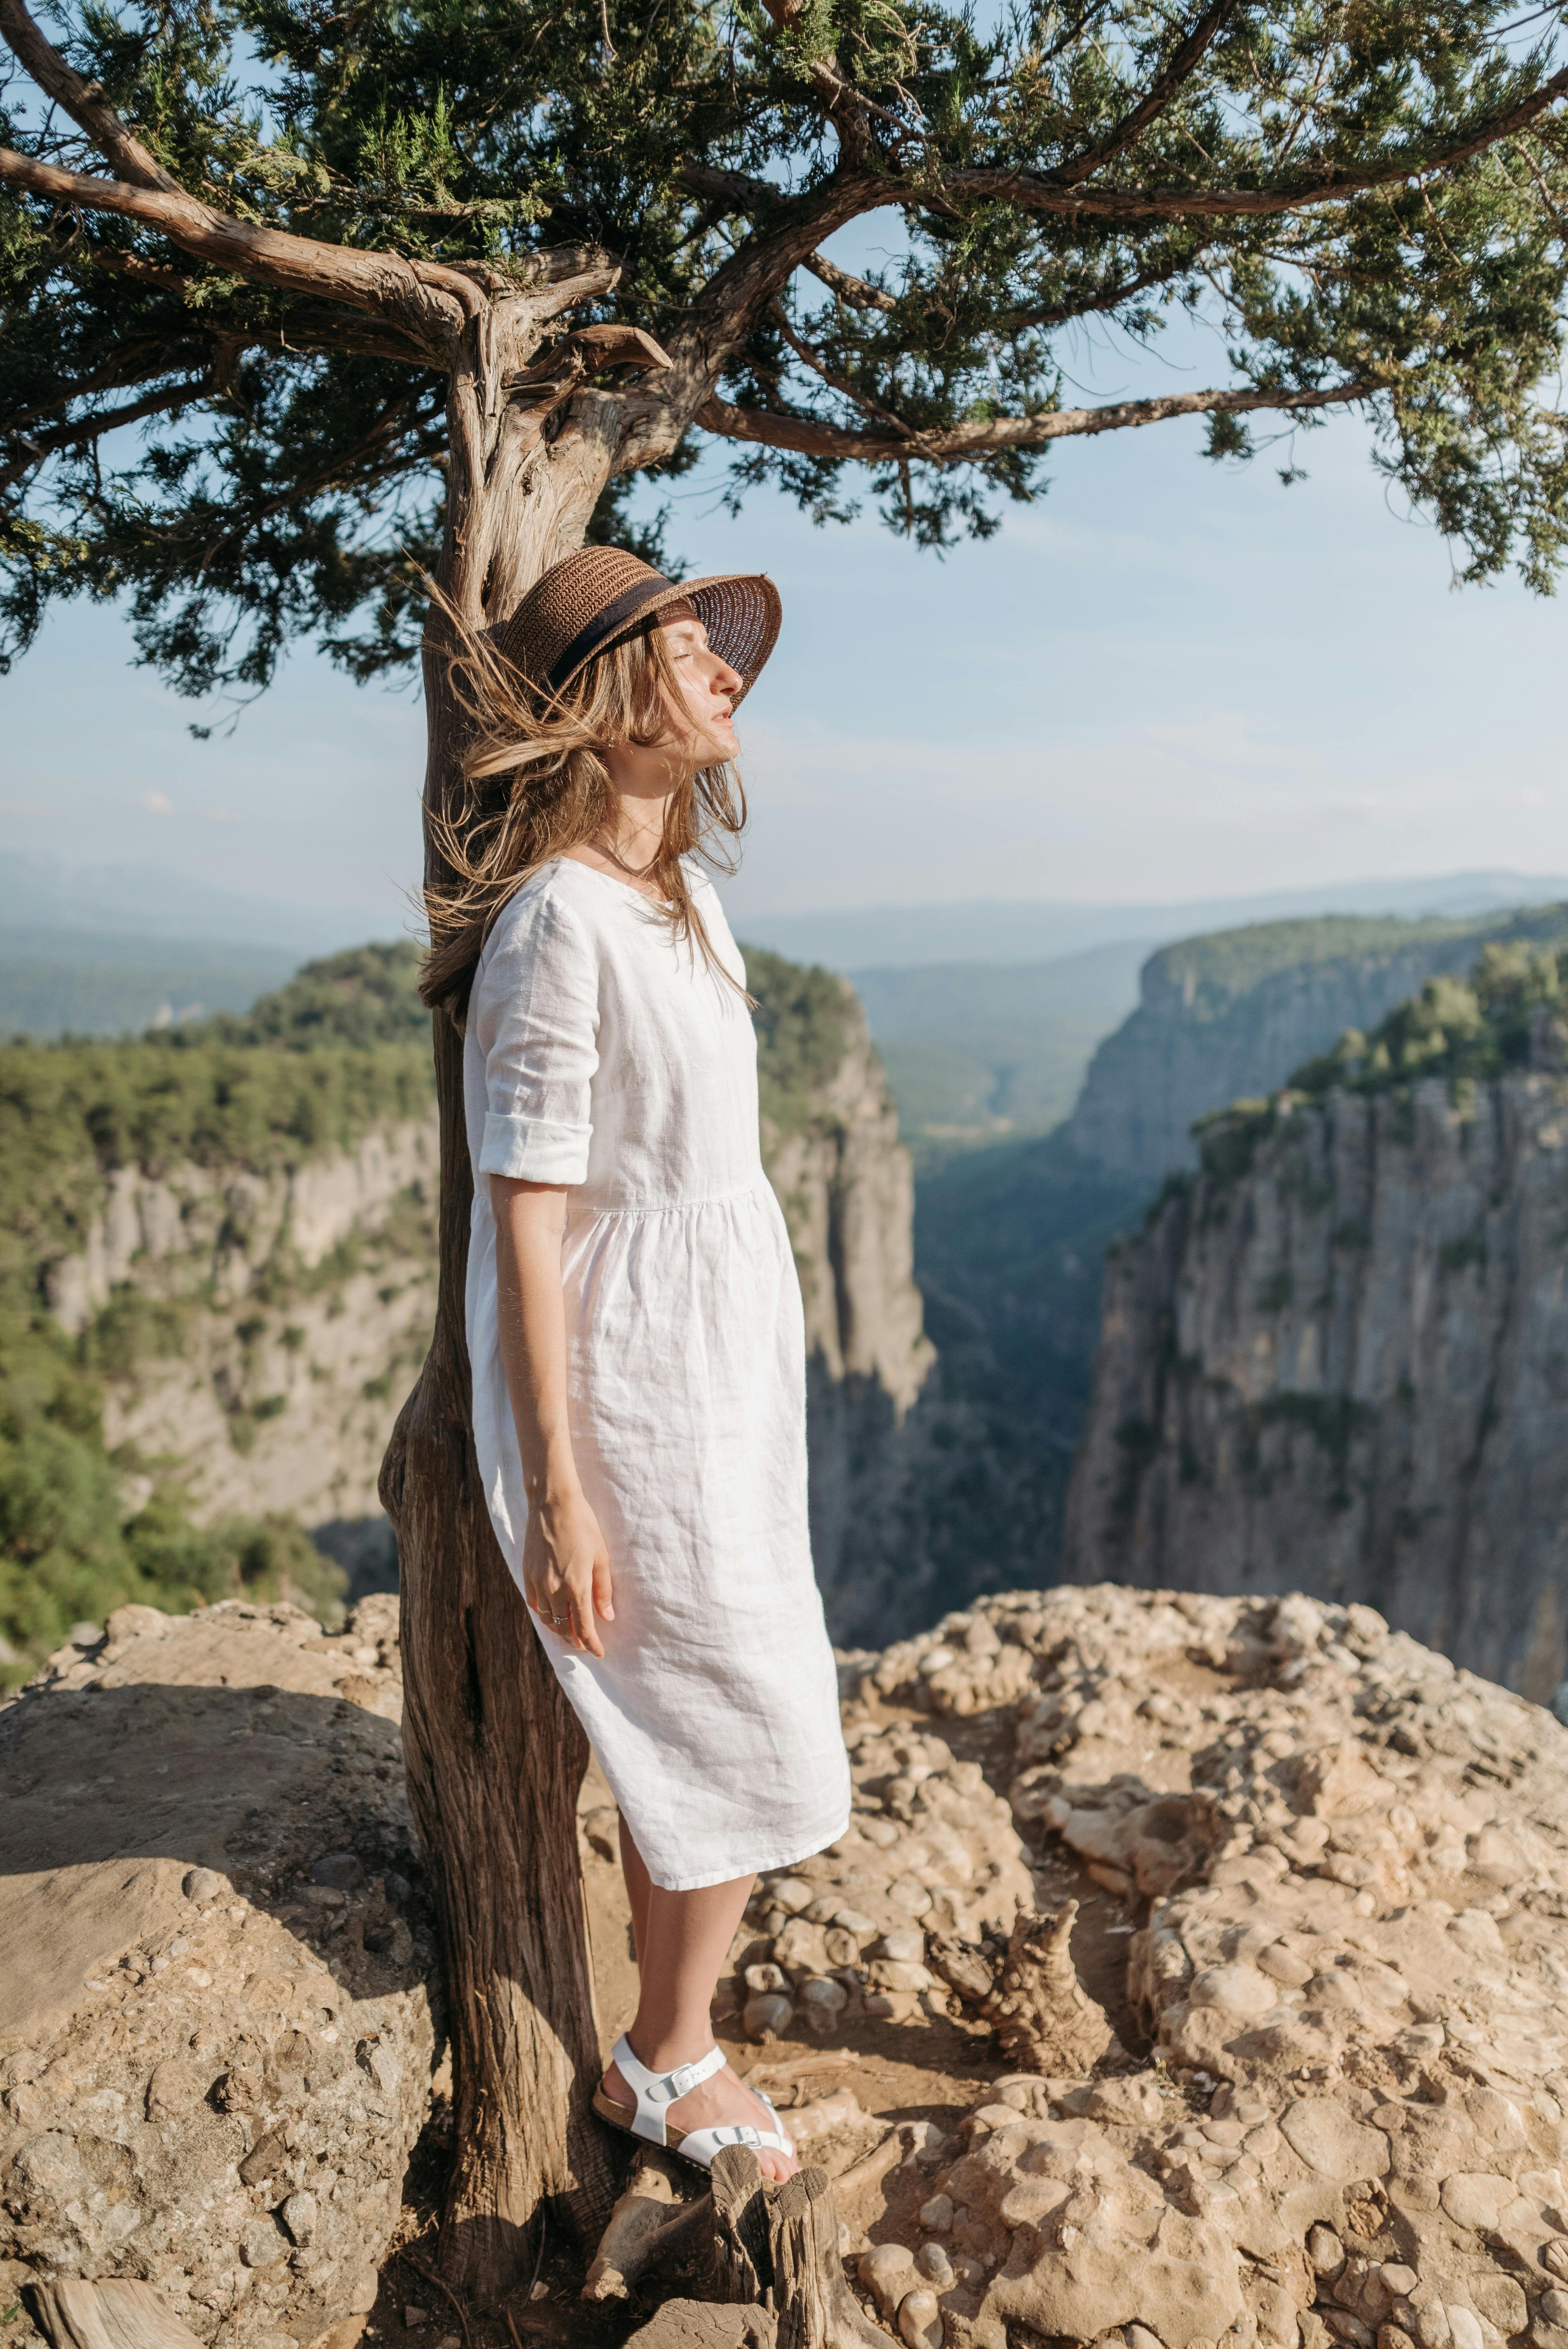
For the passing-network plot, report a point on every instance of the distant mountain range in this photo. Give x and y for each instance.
(109, 950)
(997, 931)
(43, 898)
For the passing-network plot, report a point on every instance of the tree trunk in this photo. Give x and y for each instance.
(494, 1753)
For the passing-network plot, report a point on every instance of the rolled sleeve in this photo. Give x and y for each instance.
(532, 1148)
(535, 1017)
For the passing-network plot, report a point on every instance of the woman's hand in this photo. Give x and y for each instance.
(566, 1569)
(566, 1565)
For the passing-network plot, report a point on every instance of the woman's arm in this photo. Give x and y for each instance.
(565, 1566)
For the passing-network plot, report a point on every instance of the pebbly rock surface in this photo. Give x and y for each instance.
(216, 2034)
(1343, 1871)
(931, 1848)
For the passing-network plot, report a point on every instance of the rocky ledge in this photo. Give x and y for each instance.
(1296, 2073)
(1342, 1866)
(215, 2030)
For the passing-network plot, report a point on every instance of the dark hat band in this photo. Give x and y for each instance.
(604, 624)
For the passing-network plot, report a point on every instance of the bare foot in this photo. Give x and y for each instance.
(720, 2103)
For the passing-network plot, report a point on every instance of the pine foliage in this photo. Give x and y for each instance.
(1360, 203)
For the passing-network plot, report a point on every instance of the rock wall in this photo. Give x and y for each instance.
(1342, 1368)
(1231, 1015)
(216, 2026)
(844, 1181)
(272, 1325)
(920, 1492)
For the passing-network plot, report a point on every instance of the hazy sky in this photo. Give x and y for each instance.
(1163, 681)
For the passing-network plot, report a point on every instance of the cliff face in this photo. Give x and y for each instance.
(1231, 1014)
(844, 1182)
(273, 1323)
(1343, 1368)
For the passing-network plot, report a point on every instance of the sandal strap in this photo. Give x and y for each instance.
(701, 2145)
(782, 2141)
(655, 2090)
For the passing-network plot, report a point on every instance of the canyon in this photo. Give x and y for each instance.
(1334, 1359)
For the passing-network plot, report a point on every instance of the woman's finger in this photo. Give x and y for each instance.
(553, 1606)
(582, 1616)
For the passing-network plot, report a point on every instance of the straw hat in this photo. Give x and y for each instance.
(602, 594)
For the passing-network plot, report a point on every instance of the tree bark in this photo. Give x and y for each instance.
(494, 1753)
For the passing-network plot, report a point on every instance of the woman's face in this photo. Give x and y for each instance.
(707, 687)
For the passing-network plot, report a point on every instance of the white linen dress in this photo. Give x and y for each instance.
(605, 1054)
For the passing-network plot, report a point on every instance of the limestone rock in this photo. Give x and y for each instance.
(927, 1839)
(214, 2066)
(1203, 1034)
(1273, 1335)
(208, 1238)
(1353, 2122)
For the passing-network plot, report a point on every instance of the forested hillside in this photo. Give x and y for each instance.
(1230, 1014)
(86, 1521)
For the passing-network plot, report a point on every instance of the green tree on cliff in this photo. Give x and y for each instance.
(381, 286)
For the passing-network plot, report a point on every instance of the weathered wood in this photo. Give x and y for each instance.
(779, 2245)
(816, 2308)
(742, 2258)
(652, 2224)
(494, 1753)
(115, 2315)
(873, 2169)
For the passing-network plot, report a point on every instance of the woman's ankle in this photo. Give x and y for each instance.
(667, 2050)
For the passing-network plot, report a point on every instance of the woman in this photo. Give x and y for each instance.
(634, 1317)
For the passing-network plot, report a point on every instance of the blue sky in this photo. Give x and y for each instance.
(1164, 680)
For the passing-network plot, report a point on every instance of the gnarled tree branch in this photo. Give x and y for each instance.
(738, 189)
(1110, 298)
(135, 362)
(84, 101)
(849, 288)
(1180, 67)
(995, 435)
(424, 299)
(1039, 193)
(818, 367)
(38, 446)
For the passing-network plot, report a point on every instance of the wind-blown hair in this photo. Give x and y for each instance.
(535, 783)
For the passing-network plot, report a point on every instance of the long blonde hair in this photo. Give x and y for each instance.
(535, 783)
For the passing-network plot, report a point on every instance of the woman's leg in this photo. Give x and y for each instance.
(639, 1884)
(682, 1941)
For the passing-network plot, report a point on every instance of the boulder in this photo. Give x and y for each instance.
(216, 2026)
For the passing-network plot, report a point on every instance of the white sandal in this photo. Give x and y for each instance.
(655, 2091)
